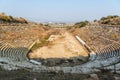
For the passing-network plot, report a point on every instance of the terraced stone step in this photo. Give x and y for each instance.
(110, 51)
(15, 53)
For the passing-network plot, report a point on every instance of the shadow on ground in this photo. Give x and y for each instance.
(28, 75)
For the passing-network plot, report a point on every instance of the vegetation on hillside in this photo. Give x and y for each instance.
(39, 44)
(81, 24)
(110, 20)
(10, 19)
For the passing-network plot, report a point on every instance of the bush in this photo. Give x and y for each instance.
(109, 17)
(42, 43)
(81, 24)
(5, 18)
(110, 20)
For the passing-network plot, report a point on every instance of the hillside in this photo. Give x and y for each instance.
(99, 33)
(98, 37)
(21, 34)
(110, 20)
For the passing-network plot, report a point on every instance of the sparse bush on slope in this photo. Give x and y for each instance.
(81, 24)
(110, 20)
(9, 19)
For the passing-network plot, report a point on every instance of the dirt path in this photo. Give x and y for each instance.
(63, 45)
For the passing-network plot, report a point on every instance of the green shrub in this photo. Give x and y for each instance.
(110, 20)
(81, 24)
(40, 44)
